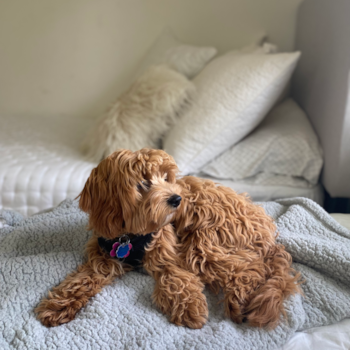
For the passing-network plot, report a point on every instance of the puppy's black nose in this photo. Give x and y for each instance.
(174, 200)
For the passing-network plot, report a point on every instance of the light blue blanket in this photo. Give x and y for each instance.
(38, 252)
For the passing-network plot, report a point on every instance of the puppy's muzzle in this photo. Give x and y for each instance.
(174, 200)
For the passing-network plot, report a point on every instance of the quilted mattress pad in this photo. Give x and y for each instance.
(41, 164)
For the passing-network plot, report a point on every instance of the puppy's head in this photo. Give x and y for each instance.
(131, 192)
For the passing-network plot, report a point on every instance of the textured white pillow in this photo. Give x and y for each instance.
(234, 93)
(283, 144)
(142, 115)
(186, 59)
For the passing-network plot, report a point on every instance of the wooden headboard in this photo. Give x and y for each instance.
(321, 84)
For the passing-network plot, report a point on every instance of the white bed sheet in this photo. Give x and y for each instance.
(333, 337)
(343, 219)
(41, 165)
(263, 193)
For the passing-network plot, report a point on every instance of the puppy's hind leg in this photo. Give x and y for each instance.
(65, 300)
(266, 303)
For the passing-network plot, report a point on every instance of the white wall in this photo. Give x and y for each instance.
(73, 57)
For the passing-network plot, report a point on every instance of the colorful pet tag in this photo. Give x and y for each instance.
(121, 250)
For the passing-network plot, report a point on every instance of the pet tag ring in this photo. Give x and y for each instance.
(121, 249)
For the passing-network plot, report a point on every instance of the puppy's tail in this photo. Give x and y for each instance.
(266, 303)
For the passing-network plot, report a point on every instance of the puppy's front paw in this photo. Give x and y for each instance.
(193, 313)
(55, 311)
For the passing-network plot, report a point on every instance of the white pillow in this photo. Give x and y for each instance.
(283, 144)
(186, 59)
(234, 93)
(142, 115)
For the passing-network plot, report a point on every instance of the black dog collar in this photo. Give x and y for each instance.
(130, 251)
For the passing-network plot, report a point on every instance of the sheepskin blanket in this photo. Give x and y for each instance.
(38, 252)
(142, 115)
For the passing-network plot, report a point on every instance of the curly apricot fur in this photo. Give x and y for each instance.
(215, 237)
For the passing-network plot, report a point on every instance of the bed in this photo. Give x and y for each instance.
(42, 165)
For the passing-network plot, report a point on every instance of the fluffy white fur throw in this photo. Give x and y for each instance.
(142, 115)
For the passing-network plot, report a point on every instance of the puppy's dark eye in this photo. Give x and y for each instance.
(144, 185)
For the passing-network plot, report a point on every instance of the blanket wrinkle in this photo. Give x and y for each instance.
(36, 253)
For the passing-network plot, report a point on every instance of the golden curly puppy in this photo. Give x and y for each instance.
(186, 233)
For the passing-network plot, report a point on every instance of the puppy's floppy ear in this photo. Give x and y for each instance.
(85, 197)
(100, 200)
(157, 160)
(169, 167)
